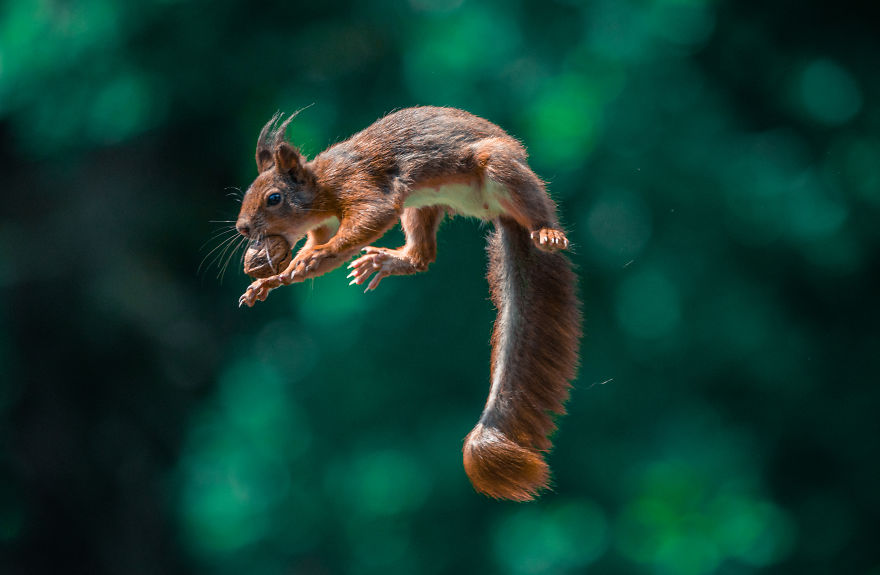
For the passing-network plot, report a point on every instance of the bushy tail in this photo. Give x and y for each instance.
(534, 356)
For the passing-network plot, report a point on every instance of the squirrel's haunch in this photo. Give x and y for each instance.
(500, 468)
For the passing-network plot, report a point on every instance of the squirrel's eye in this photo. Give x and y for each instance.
(273, 199)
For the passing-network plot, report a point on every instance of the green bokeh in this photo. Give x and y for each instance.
(829, 94)
(561, 538)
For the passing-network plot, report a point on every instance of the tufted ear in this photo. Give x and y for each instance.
(273, 149)
(289, 160)
(264, 161)
(264, 144)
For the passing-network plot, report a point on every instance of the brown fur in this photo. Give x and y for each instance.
(502, 455)
(364, 183)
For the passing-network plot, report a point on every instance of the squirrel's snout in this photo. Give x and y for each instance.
(243, 229)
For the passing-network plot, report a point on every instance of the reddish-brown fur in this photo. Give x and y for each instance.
(365, 182)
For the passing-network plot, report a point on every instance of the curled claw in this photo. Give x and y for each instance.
(383, 262)
(378, 261)
(247, 298)
(374, 283)
(363, 267)
(287, 277)
(259, 290)
(252, 293)
(310, 264)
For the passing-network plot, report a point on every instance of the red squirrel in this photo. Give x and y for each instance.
(415, 166)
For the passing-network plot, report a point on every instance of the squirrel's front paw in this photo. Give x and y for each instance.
(259, 290)
(309, 264)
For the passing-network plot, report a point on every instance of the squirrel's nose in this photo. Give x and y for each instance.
(244, 229)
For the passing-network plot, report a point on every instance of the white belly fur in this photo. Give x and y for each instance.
(477, 199)
(294, 237)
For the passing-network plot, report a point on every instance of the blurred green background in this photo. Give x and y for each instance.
(716, 162)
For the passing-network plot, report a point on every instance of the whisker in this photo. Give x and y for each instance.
(244, 248)
(238, 246)
(216, 235)
(222, 257)
(229, 238)
(236, 194)
(224, 230)
(243, 254)
(268, 256)
(242, 242)
(218, 257)
(225, 242)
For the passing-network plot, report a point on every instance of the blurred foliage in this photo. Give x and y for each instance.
(717, 163)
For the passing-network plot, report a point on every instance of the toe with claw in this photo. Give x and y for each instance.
(259, 290)
(376, 261)
(549, 239)
(307, 265)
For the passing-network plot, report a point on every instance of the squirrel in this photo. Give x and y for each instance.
(417, 165)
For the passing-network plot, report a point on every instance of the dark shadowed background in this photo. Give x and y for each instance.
(716, 162)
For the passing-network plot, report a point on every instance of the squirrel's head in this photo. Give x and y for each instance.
(279, 201)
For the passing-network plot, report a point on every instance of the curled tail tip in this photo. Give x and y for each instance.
(502, 469)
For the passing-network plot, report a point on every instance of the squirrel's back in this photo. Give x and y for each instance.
(416, 144)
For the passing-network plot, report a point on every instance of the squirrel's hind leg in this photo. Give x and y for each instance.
(420, 226)
(503, 162)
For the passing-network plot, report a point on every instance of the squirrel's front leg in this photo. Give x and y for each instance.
(362, 227)
(420, 226)
(359, 226)
(260, 288)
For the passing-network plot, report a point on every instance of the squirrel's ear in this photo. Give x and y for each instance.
(265, 143)
(288, 159)
(264, 160)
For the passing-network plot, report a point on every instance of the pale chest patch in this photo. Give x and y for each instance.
(476, 199)
(295, 235)
(332, 222)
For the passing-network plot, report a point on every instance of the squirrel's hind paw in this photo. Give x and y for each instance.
(549, 239)
(376, 260)
(383, 262)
